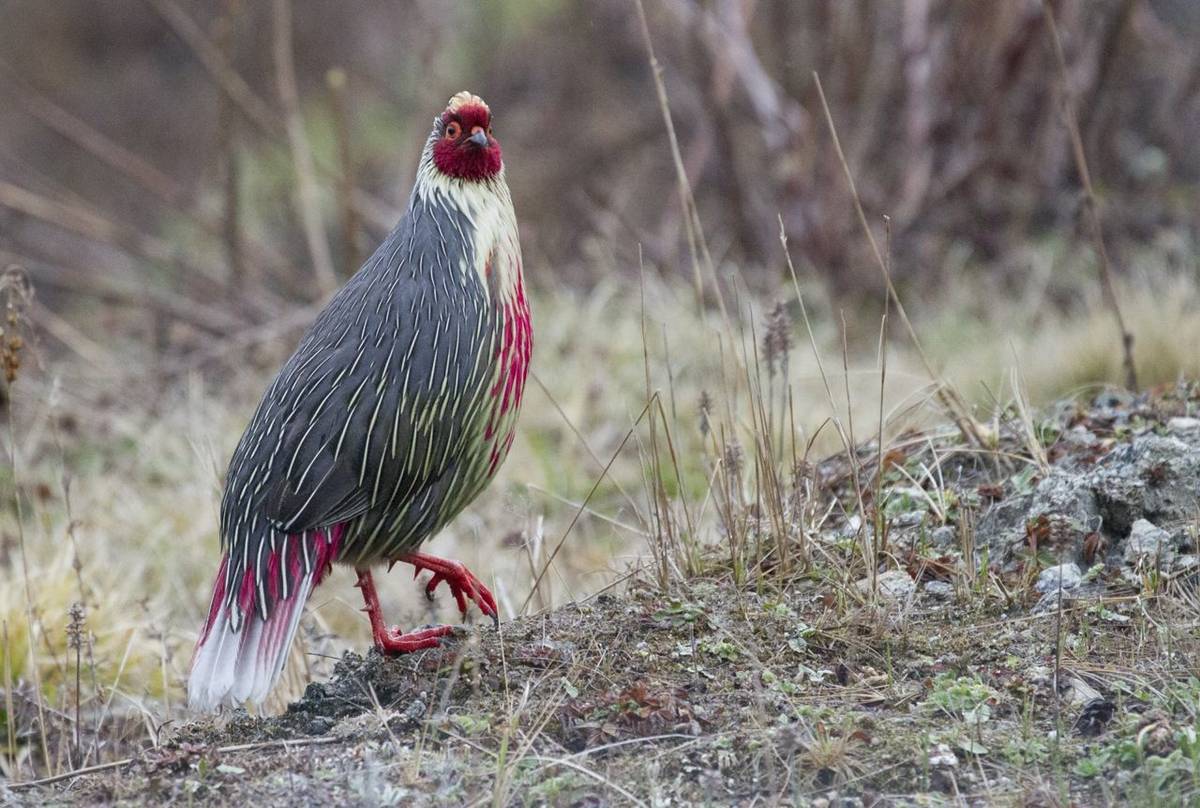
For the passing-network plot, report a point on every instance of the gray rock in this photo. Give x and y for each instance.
(891, 585)
(1067, 502)
(1048, 602)
(903, 540)
(1081, 436)
(908, 519)
(944, 537)
(1039, 675)
(1048, 581)
(1115, 405)
(1068, 497)
(912, 499)
(1153, 477)
(1076, 594)
(940, 590)
(1148, 542)
(1110, 398)
(1183, 425)
(320, 725)
(1186, 562)
(1002, 525)
(943, 756)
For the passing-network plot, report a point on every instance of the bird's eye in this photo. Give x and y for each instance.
(489, 130)
(453, 130)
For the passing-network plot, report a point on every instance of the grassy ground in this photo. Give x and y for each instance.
(704, 696)
(742, 629)
(740, 557)
(802, 686)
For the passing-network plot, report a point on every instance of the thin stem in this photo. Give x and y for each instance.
(307, 192)
(1093, 204)
(945, 393)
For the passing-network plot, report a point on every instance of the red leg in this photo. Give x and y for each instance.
(463, 584)
(392, 640)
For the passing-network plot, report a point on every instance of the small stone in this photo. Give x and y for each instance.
(315, 692)
(1078, 692)
(891, 585)
(908, 519)
(1039, 675)
(944, 537)
(1148, 541)
(1069, 574)
(1156, 475)
(1049, 602)
(1181, 424)
(1112, 398)
(1081, 436)
(356, 726)
(943, 756)
(1185, 562)
(320, 725)
(415, 710)
(939, 590)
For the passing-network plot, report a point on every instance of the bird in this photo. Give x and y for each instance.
(395, 411)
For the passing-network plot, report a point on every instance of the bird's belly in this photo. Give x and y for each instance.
(381, 535)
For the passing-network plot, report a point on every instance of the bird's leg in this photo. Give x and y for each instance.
(463, 584)
(392, 640)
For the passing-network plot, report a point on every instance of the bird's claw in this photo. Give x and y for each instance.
(462, 582)
(395, 641)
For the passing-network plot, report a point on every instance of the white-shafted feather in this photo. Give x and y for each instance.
(232, 668)
(295, 472)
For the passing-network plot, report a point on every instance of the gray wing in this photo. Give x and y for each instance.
(377, 399)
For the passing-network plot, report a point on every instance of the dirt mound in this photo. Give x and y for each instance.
(1026, 636)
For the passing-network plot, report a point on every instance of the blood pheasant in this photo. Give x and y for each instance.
(394, 412)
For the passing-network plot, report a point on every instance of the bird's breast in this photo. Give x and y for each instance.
(513, 351)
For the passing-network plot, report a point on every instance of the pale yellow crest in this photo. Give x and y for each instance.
(464, 98)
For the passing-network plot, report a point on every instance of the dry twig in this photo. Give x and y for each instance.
(120, 764)
(256, 110)
(955, 407)
(1092, 205)
(337, 80)
(95, 226)
(307, 192)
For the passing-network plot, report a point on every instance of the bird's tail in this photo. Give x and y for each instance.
(240, 655)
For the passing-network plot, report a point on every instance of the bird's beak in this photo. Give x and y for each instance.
(479, 138)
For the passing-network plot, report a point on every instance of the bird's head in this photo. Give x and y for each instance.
(463, 145)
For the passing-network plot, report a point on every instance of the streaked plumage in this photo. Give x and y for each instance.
(394, 412)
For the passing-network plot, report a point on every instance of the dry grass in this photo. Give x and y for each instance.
(143, 472)
(672, 437)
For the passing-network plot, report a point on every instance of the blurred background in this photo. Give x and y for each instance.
(184, 182)
(129, 129)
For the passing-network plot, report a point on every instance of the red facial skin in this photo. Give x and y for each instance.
(458, 156)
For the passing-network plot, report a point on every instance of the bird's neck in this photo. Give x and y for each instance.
(492, 226)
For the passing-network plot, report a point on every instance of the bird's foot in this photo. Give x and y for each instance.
(462, 582)
(394, 641)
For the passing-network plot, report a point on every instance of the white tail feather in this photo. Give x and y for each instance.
(231, 668)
